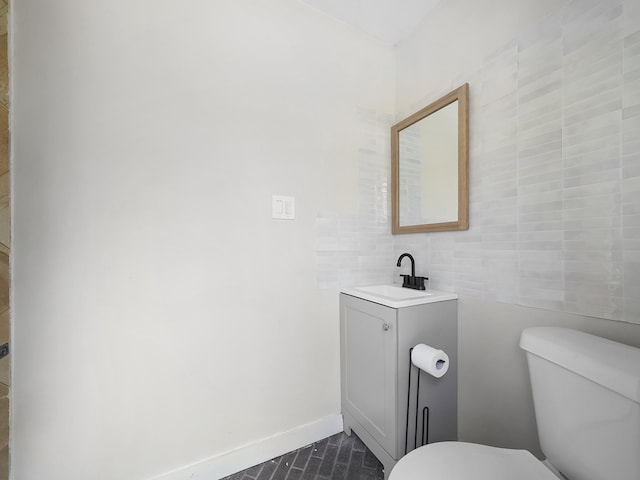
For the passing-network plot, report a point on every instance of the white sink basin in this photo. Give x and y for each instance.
(393, 292)
(397, 297)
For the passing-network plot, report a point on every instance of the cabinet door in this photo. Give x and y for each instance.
(368, 351)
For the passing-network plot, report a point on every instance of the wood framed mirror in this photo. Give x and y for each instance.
(429, 167)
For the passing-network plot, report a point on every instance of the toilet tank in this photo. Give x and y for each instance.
(586, 393)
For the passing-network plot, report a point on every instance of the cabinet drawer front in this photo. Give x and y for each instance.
(368, 354)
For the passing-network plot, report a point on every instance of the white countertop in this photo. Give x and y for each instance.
(395, 296)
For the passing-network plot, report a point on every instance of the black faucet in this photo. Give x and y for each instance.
(411, 281)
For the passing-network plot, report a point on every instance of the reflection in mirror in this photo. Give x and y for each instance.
(430, 191)
(429, 169)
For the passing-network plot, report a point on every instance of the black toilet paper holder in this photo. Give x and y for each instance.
(424, 437)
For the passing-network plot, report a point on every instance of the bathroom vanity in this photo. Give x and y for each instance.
(378, 327)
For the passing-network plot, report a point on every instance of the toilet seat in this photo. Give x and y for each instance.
(469, 461)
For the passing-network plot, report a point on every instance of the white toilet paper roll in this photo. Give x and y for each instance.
(426, 358)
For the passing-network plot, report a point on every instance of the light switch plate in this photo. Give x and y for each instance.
(283, 207)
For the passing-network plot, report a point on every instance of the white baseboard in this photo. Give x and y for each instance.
(224, 464)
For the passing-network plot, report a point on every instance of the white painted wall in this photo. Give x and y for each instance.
(161, 317)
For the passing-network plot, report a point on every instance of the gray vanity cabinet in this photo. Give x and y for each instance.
(375, 341)
(368, 367)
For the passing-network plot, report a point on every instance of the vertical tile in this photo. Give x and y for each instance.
(468, 270)
(592, 130)
(489, 258)
(631, 164)
(540, 80)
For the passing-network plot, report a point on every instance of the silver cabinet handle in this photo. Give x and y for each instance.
(385, 326)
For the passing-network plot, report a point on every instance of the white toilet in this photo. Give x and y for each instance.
(586, 393)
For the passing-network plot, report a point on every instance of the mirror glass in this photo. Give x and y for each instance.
(429, 167)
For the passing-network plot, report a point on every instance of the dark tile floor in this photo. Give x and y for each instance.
(339, 457)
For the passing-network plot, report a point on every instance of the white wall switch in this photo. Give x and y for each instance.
(283, 207)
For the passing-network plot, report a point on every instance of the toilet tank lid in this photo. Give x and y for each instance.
(608, 363)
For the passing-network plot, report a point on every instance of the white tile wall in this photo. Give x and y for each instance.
(540, 218)
(555, 176)
(630, 152)
(357, 249)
